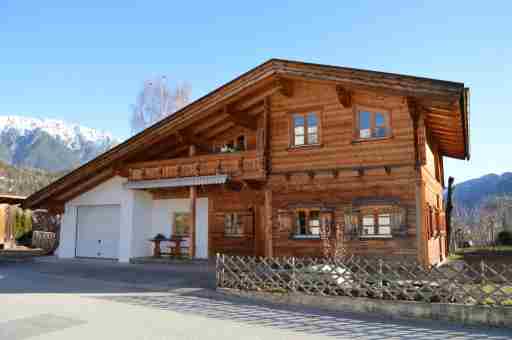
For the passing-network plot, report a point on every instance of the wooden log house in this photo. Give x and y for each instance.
(289, 158)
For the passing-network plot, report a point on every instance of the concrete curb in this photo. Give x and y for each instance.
(474, 315)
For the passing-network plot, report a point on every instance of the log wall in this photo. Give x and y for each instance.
(335, 173)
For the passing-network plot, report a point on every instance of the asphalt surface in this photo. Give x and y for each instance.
(103, 300)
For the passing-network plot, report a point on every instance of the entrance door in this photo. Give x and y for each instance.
(98, 231)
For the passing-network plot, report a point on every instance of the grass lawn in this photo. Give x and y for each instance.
(496, 254)
(490, 249)
(490, 288)
(495, 257)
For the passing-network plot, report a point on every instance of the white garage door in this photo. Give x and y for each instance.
(98, 231)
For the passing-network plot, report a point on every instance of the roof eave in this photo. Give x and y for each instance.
(464, 109)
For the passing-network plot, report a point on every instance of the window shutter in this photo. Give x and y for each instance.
(247, 222)
(286, 222)
(399, 225)
(350, 230)
(327, 224)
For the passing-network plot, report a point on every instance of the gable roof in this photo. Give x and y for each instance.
(437, 92)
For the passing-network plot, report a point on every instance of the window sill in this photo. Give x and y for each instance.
(305, 237)
(304, 147)
(373, 139)
(235, 236)
(375, 236)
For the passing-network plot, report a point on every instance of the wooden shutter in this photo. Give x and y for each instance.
(286, 220)
(399, 222)
(327, 223)
(246, 218)
(350, 230)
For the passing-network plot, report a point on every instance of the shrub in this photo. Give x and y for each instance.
(19, 229)
(27, 216)
(23, 226)
(505, 238)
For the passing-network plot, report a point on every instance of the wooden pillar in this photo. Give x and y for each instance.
(266, 135)
(421, 227)
(268, 248)
(193, 199)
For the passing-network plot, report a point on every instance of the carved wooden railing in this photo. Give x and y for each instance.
(245, 165)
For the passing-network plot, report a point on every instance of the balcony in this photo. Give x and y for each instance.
(246, 165)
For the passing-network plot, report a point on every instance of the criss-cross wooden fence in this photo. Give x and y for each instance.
(371, 278)
(43, 239)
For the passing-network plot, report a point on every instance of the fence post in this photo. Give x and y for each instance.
(482, 268)
(219, 270)
(294, 282)
(380, 284)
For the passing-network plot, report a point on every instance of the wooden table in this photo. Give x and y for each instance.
(157, 252)
(177, 240)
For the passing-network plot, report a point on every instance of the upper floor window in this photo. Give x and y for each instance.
(372, 124)
(305, 129)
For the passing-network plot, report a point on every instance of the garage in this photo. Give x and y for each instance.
(97, 231)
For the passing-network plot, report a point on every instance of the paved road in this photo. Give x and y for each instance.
(98, 300)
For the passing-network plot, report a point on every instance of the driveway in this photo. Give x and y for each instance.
(104, 300)
(103, 276)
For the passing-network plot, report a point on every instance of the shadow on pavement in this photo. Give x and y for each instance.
(308, 321)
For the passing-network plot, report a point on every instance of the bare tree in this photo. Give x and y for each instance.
(156, 101)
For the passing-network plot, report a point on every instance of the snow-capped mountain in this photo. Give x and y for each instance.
(49, 144)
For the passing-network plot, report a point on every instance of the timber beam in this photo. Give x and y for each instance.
(335, 172)
(414, 112)
(218, 130)
(186, 136)
(241, 118)
(120, 169)
(344, 96)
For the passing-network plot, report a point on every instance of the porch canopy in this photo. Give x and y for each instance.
(177, 182)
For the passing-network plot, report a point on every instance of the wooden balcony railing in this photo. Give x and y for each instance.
(245, 165)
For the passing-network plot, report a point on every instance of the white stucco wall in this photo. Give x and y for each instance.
(142, 222)
(109, 192)
(141, 218)
(162, 220)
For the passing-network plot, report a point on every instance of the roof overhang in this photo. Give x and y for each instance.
(11, 199)
(262, 80)
(177, 182)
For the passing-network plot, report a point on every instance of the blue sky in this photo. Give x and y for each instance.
(85, 63)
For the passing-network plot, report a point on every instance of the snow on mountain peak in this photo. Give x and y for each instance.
(72, 135)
